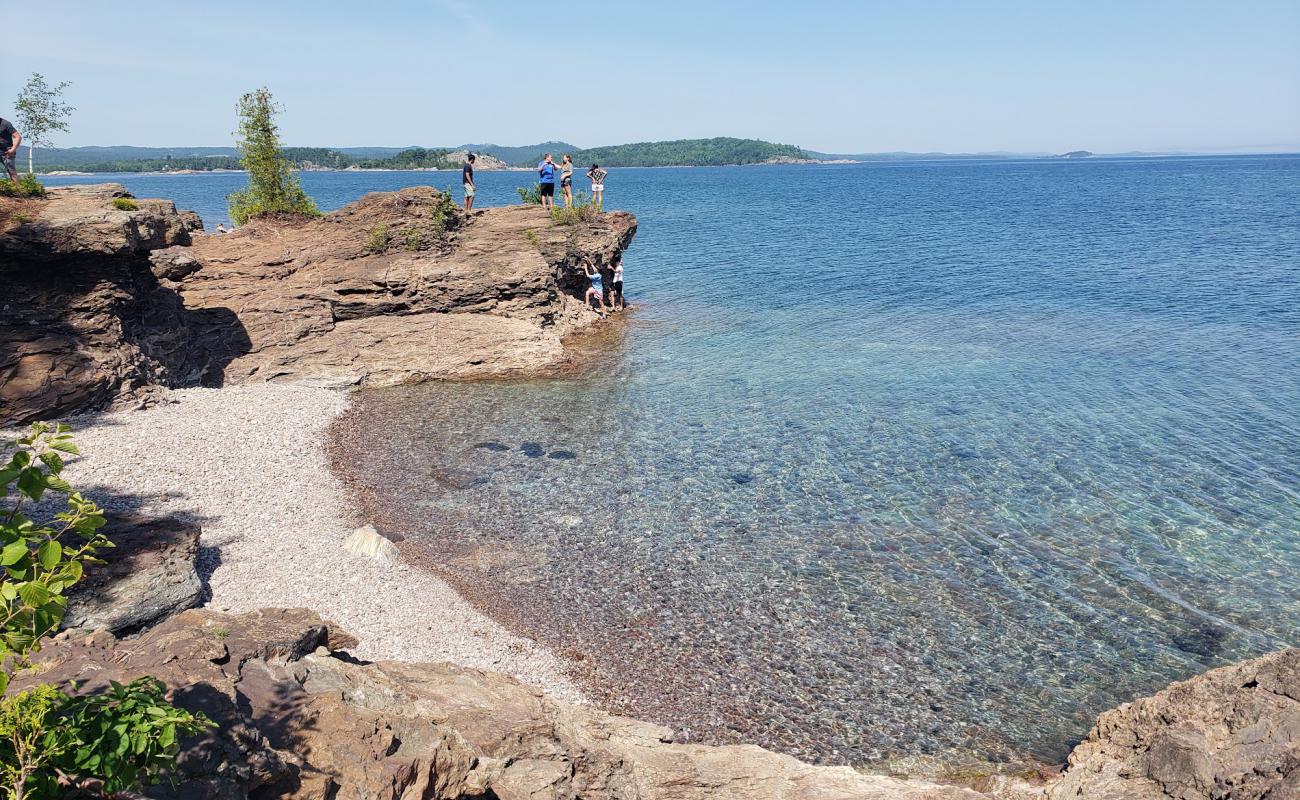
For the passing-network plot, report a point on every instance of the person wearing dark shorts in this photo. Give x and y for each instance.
(618, 304)
(546, 176)
(10, 138)
(467, 178)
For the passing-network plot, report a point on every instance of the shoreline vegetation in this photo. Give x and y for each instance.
(722, 151)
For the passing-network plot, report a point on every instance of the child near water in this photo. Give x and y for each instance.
(594, 289)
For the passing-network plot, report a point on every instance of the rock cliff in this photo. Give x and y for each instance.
(103, 303)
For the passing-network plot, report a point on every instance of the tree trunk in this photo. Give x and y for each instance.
(30, 148)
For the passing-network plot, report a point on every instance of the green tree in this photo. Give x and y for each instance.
(272, 186)
(41, 111)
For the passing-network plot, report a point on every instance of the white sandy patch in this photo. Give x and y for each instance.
(249, 464)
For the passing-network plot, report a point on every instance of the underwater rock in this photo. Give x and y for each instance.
(495, 447)
(532, 449)
(562, 455)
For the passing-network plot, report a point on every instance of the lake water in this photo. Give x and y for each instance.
(889, 459)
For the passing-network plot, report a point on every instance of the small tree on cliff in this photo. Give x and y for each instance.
(41, 111)
(272, 186)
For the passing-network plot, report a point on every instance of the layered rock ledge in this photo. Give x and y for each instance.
(103, 303)
(298, 719)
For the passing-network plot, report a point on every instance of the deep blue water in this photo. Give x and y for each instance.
(892, 458)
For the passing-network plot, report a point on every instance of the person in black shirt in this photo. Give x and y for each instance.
(467, 177)
(10, 138)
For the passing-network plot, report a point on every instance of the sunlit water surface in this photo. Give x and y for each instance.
(890, 459)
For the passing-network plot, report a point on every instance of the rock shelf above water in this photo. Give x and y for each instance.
(103, 303)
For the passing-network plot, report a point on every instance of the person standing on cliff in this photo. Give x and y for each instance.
(467, 177)
(10, 138)
(566, 180)
(546, 175)
(597, 176)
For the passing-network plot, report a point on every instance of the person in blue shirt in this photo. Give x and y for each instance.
(546, 172)
(594, 291)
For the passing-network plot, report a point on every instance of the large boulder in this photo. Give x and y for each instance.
(1230, 734)
(148, 575)
(299, 721)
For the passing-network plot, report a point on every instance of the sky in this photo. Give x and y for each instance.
(844, 77)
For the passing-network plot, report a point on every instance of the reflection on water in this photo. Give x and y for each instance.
(896, 459)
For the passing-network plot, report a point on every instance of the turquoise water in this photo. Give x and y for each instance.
(889, 459)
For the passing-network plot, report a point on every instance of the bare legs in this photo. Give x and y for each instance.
(591, 292)
(568, 195)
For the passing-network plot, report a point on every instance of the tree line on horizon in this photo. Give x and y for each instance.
(717, 151)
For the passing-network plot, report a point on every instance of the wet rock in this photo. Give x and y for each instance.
(532, 449)
(494, 447)
(562, 455)
(1203, 639)
(458, 478)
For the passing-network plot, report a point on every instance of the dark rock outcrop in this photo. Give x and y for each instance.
(148, 575)
(102, 304)
(80, 308)
(298, 721)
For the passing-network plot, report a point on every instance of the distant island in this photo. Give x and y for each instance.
(1077, 154)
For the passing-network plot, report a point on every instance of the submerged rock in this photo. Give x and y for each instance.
(532, 449)
(495, 447)
(562, 455)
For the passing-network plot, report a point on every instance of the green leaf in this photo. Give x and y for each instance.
(14, 552)
(49, 554)
(52, 460)
(65, 446)
(57, 484)
(31, 482)
(34, 594)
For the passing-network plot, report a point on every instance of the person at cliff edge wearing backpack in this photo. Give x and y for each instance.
(546, 177)
(10, 138)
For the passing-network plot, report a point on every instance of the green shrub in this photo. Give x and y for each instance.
(113, 740)
(125, 204)
(21, 217)
(414, 240)
(27, 186)
(530, 196)
(444, 213)
(582, 211)
(378, 239)
(272, 186)
(531, 236)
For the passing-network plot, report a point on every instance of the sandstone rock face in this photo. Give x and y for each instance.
(147, 576)
(101, 304)
(78, 307)
(317, 301)
(297, 721)
(1230, 734)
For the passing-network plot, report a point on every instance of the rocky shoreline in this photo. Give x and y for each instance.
(328, 671)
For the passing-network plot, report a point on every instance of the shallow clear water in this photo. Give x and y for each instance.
(893, 459)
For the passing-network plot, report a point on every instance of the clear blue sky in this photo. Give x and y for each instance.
(831, 76)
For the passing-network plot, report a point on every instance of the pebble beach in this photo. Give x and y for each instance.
(249, 465)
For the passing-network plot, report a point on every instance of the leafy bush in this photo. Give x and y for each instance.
(530, 196)
(27, 186)
(444, 212)
(272, 186)
(41, 561)
(109, 741)
(414, 240)
(378, 240)
(21, 217)
(125, 204)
